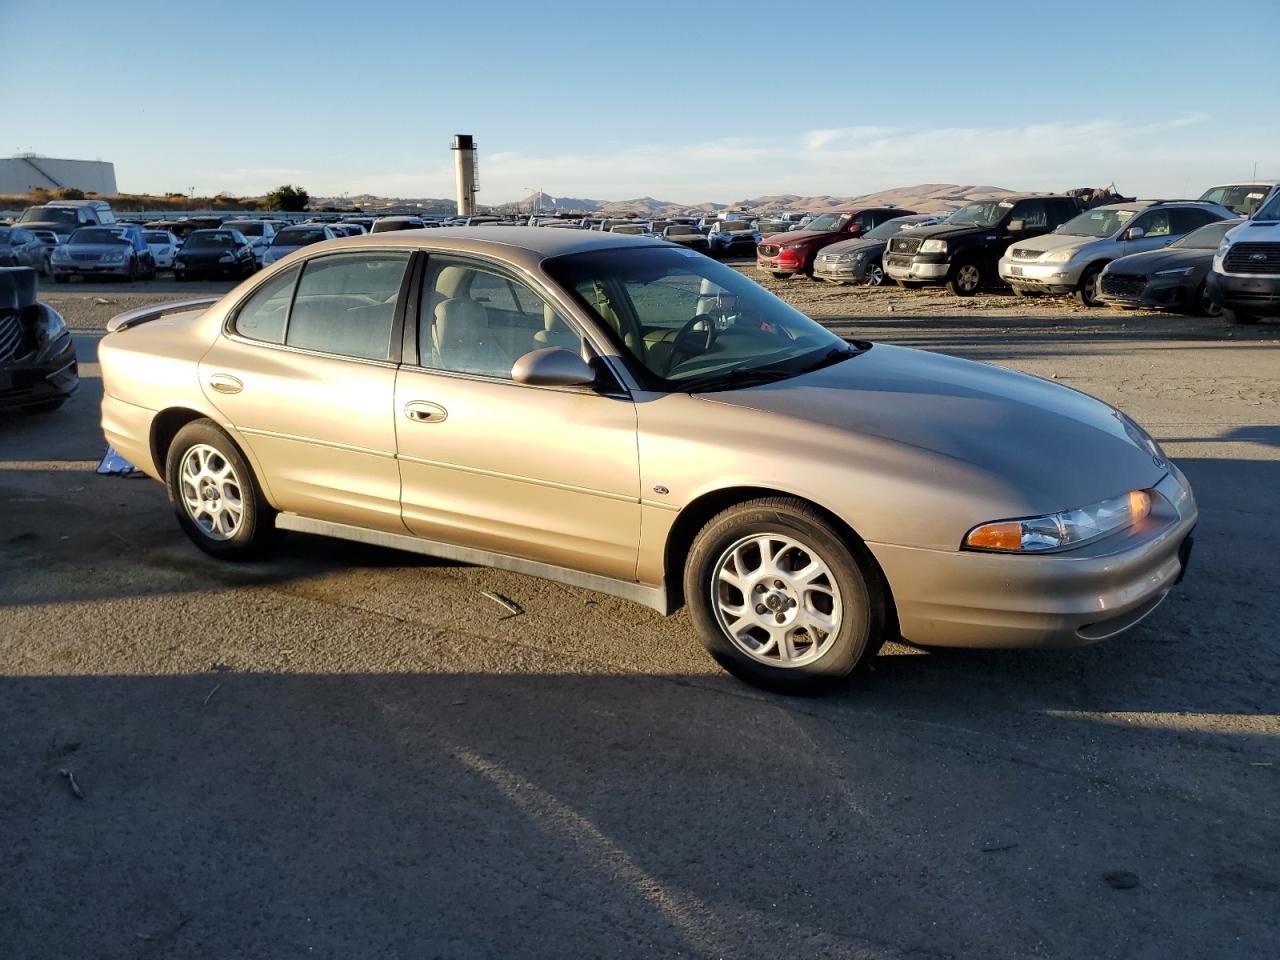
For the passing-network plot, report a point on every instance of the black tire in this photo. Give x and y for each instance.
(59, 278)
(965, 278)
(862, 623)
(47, 407)
(1203, 305)
(256, 532)
(132, 275)
(1087, 291)
(1242, 318)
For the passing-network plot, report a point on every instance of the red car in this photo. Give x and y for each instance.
(784, 254)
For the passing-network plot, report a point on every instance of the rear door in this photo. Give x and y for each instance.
(545, 473)
(307, 376)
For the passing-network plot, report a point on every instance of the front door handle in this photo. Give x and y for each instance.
(225, 383)
(423, 411)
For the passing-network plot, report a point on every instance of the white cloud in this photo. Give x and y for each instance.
(1169, 156)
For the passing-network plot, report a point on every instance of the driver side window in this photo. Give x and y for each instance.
(1155, 223)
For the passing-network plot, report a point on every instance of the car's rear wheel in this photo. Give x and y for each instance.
(965, 278)
(1087, 291)
(215, 495)
(873, 276)
(780, 599)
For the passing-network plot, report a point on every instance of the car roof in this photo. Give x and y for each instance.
(521, 243)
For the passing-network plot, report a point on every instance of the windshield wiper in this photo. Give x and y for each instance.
(738, 379)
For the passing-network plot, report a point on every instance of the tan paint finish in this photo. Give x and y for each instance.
(320, 428)
(539, 472)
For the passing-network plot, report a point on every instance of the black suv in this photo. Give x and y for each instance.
(963, 251)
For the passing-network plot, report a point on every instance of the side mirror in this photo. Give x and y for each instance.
(552, 367)
(1017, 226)
(856, 229)
(1135, 233)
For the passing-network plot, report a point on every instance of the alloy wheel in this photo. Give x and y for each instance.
(776, 599)
(968, 277)
(211, 492)
(874, 275)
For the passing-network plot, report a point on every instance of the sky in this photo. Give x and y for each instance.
(699, 100)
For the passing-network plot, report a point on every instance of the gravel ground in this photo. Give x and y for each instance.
(348, 752)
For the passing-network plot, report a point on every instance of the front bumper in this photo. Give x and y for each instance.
(70, 268)
(855, 271)
(211, 269)
(912, 268)
(1058, 278)
(1256, 295)
(1159, 293)
(38, 380)
(967, 599)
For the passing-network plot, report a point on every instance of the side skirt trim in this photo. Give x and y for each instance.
(652, 597)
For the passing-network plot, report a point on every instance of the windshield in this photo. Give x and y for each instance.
(981, 213)
(97, 235)
(648, 300)
(679, 230)
(1243, 198)
(629, 230)
(1099, 222)
(1207, 237)
(1269, 210)
(249, 228)
(156, 237)
(830, 222)
(297, 238)
(211, 239)
(48, 215)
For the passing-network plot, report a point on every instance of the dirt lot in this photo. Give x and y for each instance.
(348, 752)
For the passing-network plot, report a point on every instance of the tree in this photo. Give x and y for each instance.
(288, 197)
(70, 193)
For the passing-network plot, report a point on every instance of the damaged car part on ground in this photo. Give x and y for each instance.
(38, 369)
(628, 416)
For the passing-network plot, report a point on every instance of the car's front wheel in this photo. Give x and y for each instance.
(215, 495)
(873, 276)
(965, 278)
(1087, 292)
(780, 599)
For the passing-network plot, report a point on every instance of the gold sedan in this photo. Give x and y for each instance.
(632, 417)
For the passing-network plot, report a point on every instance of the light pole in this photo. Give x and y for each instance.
(537, 202)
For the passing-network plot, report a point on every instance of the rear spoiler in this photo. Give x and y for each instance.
(131, 318)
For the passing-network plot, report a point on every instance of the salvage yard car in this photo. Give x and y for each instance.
(22, 248)
(291, 239)
(1168, 278)
(729, 237)
(786, 254)
(1070, 259)
(38, 369)
(963, 250)
(117, 250)
(1245, 279)
(627, 416)
(214, 253)
(862, 260)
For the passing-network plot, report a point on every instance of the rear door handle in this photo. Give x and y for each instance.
(423, 411)
(225, 383)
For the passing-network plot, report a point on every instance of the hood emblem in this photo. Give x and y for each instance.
(1258, 256)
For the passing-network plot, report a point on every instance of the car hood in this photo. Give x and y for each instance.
(1055, 241)
(803, 236)
(53, 225)
(853, 246)
(1164, 259)
(1056, 447)
(98, 249)
(206, 253)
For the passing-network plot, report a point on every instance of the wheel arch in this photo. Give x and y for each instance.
(700, 510)
(166, 424)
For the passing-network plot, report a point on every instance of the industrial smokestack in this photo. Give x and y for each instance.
(464, 150)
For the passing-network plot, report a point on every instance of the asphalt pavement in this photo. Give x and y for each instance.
(350, 752)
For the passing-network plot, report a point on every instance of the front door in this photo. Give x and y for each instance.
(544, 473)
(308, 379)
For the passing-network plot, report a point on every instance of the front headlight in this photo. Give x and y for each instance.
(60, 254)
(50, 326)
(112, 257)
(1179, 272)
(933, 246)
(1223, 247)
(227, 258)
(1070, 528)
(1059, 256)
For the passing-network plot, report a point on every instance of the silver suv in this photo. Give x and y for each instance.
(1070, 259)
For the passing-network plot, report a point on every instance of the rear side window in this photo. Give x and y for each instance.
(264, 314)
(346, 304)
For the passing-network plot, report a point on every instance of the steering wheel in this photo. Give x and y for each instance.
(691, 340)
